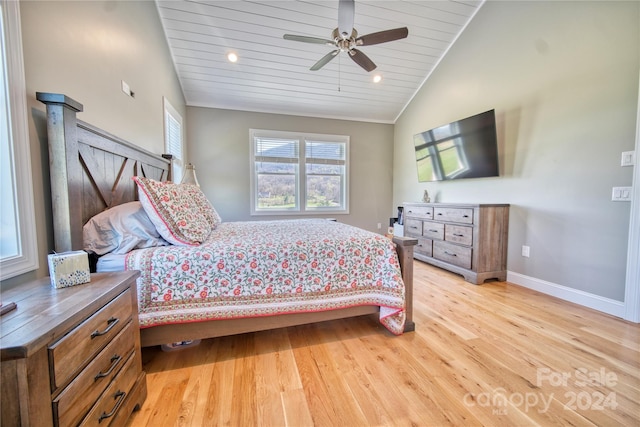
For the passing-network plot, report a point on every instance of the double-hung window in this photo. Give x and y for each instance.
(18, 246)
(173, 139)
(299, 173)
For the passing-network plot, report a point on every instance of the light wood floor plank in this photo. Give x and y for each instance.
(494, 355)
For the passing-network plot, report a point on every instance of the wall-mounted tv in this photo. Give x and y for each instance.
(466, 148)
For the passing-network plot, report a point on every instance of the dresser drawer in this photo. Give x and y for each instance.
(424, 246)
(461, 215)
(433, 230)
(74, 350)
(77, 399)
(112, 399)
(458, 234)
(453, 254)
(413, 227)
(425, 212)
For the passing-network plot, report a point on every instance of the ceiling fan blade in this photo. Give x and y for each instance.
(305, 39)
(346, 12)
(382, 36)
(362, 60)
(325, 60)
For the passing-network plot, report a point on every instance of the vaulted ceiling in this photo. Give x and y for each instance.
(272, 74)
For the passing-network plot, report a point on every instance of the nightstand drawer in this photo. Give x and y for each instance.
(413, 227)
(456, 255)
(424, 212)
(433, 230)
(462, 215)
(458, 234)
(112, 399)
(78, 398)
(73, 351)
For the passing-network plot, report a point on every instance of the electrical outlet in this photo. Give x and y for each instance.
(379, 225)
(526, 251)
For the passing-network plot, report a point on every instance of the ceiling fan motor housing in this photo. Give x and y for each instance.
(343, 43)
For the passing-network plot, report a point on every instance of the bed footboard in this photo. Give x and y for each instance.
(404, 248)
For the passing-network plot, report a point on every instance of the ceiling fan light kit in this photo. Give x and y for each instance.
(345, 39)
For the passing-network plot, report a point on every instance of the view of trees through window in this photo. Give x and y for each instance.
(286, 180)
(324, 185)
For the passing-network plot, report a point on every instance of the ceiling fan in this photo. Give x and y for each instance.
(345, 39)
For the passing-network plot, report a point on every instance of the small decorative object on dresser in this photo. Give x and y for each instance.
(468, 239)
(69, 268)
(425, 197)
(71, 356)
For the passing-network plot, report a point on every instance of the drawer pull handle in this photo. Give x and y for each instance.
(433, 231)
(120, 395)
(458, 235)
(450, 253)
(465, 216)
(414, 227)
(114, 362)
(111, 322)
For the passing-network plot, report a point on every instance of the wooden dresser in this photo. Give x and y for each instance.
(468, 239)
(71, 356)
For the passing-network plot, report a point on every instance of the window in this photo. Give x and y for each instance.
(18, 245)
(296, 173)
(173, 139)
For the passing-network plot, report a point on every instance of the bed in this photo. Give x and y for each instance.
(93, 171)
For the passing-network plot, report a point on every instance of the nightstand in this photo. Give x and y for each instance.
(71, 356)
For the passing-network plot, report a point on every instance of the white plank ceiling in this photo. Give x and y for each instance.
(272, 74)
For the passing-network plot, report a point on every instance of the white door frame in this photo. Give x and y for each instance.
(632, 283)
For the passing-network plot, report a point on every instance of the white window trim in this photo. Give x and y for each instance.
(17, 95)
(300, 184)
(178, 163)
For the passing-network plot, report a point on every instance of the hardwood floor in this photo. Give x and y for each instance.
(494, 354)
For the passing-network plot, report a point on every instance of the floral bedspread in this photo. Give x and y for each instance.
(264, 268)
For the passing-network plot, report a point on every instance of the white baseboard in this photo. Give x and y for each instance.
(596, 302)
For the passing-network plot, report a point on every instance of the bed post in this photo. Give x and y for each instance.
(65, 169)
(404, 248)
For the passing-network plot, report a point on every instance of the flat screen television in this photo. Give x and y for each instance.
(466, 148)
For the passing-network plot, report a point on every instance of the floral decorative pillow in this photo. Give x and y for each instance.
(203, 203)
(174, 211)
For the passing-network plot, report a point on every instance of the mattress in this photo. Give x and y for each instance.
(111, 263)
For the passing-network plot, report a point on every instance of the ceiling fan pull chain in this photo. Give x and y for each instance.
(339, 83)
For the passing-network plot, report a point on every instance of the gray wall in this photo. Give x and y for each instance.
(563, 79)
(84, 50)
(219, 147)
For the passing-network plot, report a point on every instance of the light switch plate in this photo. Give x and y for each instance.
(628, 158)
(621, 194)
(126, 89)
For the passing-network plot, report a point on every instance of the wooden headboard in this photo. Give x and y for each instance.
(90, 169)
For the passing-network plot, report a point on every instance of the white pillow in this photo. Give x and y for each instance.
(121, 229)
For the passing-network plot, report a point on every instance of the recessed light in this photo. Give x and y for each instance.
(232, 57)
(377, 78)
